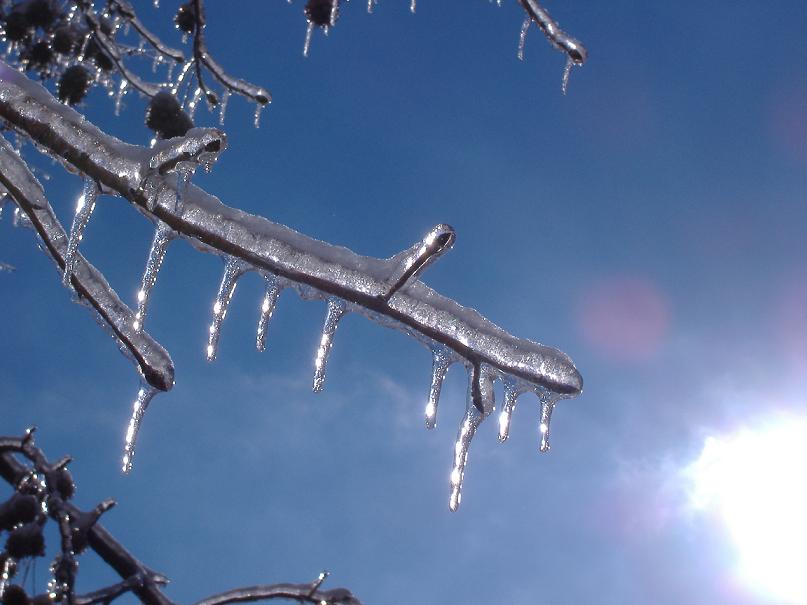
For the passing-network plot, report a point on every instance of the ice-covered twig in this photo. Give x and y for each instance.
(152, 360)
(319, 267)
(127, 12)
(203, 58)
(137, 578)
(573, 48)
(295, 592)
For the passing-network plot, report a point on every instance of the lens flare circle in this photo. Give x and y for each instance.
(756, 480)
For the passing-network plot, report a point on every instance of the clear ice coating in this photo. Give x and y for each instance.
(162, 236)
(144, 396)
(233, 269)
(84, 207)
(479, 405)
(273, 289)
(442, 358)
(336, 309)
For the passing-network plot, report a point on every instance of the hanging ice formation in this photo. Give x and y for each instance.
(574, 50)
(84, 209)
(387, 291)
(144, 396)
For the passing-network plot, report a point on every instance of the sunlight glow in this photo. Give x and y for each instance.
(756, 481)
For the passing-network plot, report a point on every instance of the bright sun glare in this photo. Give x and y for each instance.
(756, 480)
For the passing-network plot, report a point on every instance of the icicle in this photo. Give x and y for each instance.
(233, 269)
(223, 106)
(412, 6)
(370, 5)
(84, 208)
(6, 574)
(256, 122)
(511, 392)
(548, 402)
(197, 94)
(334, 12)
(309, 31)
(566, 71)
(162, 236)
(479, 405)
(336, 309)
(273, 289)
(184, 172)
(181, 78)
(442, 358)
(156, 3)
(3, 200)
(141, 403)
(522, 38)
(170, 72)
(120, 95)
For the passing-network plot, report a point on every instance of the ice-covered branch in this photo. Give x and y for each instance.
(152, 360)
(329, 270)
(384, 290)
(48, 485)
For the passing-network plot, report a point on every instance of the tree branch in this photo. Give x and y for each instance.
(151, 359)
(137, 578)
(315, 268)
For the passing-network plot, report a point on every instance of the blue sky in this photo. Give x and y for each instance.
(650, 224)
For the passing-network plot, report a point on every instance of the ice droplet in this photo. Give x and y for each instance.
(567, 69)
(144, 396)
(412, 6)
(162, 236)
(442, 358)
(84, 207)
(336, 309)
(273, 289)
(233, 269)
(522, 37)
(479, 405)
(309, 31)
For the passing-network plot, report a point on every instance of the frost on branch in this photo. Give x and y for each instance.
(43, 491)
(387, 291)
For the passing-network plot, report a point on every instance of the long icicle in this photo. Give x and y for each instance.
(233, 269)
(273, 289)
(442, 358)
(162, 236)
(84, 208)
(479, 405)
(336, 309)
(144, 396)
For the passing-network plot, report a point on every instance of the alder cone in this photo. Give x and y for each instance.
(318, 12)
(73, 85)
(165, 117)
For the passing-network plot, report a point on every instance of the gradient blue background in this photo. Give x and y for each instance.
(650, 224)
